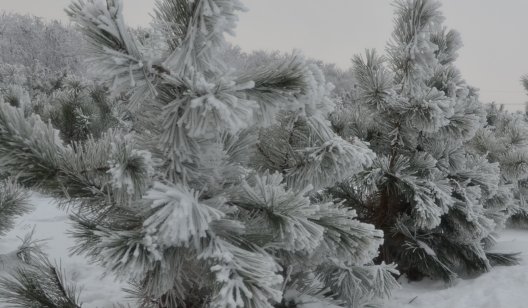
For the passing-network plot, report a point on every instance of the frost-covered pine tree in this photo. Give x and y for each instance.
(78, 109)
(211, 197)
(76, 106)
(504, 139)
(427, 193)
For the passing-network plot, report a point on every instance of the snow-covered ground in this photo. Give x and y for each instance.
(504, 287)
(52, 224)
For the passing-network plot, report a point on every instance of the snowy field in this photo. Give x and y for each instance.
(504, 287)
(52, 224)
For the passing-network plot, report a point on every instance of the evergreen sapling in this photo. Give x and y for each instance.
(211, 196)
(438, 202)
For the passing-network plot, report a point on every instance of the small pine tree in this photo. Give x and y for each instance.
(426, 191)
(504, 139)
(79, 110)
(210, 198)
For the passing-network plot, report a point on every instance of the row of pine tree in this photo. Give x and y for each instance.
(206, 177)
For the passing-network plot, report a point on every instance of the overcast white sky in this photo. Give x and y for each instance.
(495, 33)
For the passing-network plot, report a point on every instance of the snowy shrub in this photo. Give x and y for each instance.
(437, 201)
